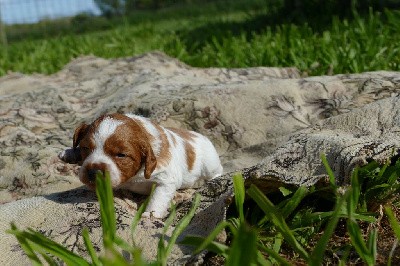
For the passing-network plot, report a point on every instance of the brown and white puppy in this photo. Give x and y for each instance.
(138, 153)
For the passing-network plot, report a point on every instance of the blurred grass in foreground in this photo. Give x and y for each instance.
(314, 226)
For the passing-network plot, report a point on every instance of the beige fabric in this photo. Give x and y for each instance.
(348, 140)
(269, 119)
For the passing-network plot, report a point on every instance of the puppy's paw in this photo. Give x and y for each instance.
(71, 155)
(151, 223)
(153, 214)
(146, 215)
(62, 155)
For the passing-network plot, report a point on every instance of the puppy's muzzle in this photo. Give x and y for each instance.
(92, 173)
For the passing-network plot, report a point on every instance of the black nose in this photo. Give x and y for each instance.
(92, 173)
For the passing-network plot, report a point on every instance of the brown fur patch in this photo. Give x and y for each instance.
(79, 134)
(164, 156)
(183, 133)
(86, 144)
(187, 136)
(138, 131)
(190, 155)
(132, 141)
(174, 141)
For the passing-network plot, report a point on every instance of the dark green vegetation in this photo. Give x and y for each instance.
(318, 37)
(292, 225)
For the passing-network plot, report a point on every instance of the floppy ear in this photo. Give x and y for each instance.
(79, 134)
(150, 161)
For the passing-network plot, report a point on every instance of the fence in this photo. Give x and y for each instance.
(19, 18)
(31, 11)
(19, 12)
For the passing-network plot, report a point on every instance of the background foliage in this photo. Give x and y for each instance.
(318, 37)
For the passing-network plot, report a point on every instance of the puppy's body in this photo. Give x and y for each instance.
(138, 153)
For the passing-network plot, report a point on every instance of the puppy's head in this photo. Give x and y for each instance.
(113, 143)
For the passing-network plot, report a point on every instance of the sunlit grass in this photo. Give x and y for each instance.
(231, 39)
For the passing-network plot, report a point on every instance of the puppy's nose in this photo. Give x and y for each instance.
(92, 173)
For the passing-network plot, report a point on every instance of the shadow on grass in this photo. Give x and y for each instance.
(317, 15)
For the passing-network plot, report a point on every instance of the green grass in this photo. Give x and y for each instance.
(345, 227)
(275, 229)
(223, 34)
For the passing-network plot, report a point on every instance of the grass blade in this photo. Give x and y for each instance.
(212, 246)
(50, 261)
(139, 212)
(243, 250)
(353, 229)
(162, 253)
(278, 240)
(41, 244)
(358, 242)
(183, 224)
(113, 257)
(290, 204)
(393, 221)
(354, 192)
(107, 211)
(261, 260)
(124, 245)
(294, 201)
(331, 175)
(275, 255)
(210, 238)
(24, 245)
(90, 248)
(277, 219)
(383, 169)
(238, 185)
(373, 235)
(317, 255)
(314, 217)
(137, 258)
(170, 219)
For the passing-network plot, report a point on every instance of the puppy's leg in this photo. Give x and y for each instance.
(71, 156)
(210, 163)
(160, 201)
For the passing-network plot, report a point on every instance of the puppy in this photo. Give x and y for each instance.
(138, 153)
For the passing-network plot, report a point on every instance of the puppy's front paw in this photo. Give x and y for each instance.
(62, 155)
(146, 215)
(151, 223)
(71, 155)
(153, 214)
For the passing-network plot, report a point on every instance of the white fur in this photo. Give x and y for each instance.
(167, 178)
(176, 174)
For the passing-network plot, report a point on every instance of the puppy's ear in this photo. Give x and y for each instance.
(80, 132)
(150, 161)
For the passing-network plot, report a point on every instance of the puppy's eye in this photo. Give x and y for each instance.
(121, 155)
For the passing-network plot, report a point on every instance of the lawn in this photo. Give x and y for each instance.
(291, 225)
(218, 34)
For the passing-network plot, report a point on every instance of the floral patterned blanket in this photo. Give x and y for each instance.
(270, 123)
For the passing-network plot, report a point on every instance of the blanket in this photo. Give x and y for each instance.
(269, 123)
